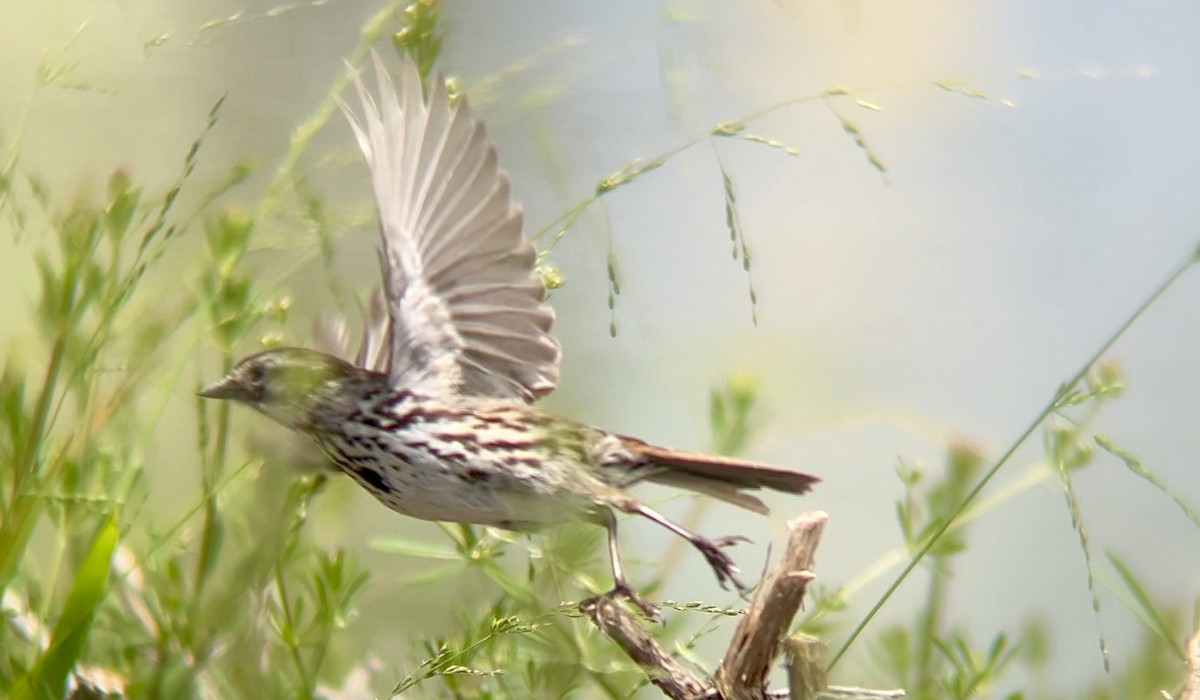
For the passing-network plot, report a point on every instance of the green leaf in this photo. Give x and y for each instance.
(435, 574)
(1139, 603)
(70, 633)
(414, 548)
(124, 198)
(510, 586)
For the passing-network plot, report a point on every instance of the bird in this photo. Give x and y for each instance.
(434, 415)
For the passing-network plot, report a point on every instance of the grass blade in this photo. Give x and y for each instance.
(1139, 604)
(70, 633)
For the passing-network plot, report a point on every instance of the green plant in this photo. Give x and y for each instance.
(228, 594)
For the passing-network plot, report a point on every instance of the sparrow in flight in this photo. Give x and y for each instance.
(434, 417)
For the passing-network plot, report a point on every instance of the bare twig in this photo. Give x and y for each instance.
(756, 641)
(743, 671)
(1191, 688)
(806, 666)
(674, 679)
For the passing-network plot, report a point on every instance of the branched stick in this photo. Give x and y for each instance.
(747, 663)
(756, 641)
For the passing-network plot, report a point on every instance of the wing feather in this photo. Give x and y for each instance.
(465, 312)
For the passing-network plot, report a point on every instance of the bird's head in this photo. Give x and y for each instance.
(287, 384)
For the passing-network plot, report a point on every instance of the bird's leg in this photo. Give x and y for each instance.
(621, 587)
(724, 568)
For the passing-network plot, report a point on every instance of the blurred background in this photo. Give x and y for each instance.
(931, 254)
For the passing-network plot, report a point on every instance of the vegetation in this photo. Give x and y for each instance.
(227, 592)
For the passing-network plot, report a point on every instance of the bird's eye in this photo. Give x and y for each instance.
(257, 373)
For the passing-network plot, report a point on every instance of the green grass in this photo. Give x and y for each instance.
(231, 595)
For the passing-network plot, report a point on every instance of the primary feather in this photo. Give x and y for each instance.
(465, 311)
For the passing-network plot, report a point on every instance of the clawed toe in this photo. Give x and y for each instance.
(724, 568)
(722, 565)
(623, 590)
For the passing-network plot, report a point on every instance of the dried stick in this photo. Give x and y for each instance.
(806, 666)
(756, 641)
(674, 679)
(1191, 688)
(743, 671)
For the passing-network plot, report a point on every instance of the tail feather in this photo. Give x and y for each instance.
(725, 478)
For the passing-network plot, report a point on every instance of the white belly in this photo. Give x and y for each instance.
(453, 483)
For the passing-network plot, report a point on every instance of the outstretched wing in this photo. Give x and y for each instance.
(331, 334)
(465, 308)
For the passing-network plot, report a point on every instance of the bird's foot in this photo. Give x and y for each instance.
(622, 589)
(726, 571)
(730, 540)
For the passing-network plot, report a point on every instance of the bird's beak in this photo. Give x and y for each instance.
(224, 388)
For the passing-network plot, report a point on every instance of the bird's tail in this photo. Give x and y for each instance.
(720, 477)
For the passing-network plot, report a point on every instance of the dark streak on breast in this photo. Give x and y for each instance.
(374, 478)
(508, 443)
(514, 459)
(379, 424)
(474, 475)
(396, 398)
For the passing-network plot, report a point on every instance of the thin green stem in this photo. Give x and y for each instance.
(927, 631)
(303, 134)
(28, 456)
(291, 639)
(14, 155)
(208, 475)
(568, 217)
(22, 511)
(1049, 408)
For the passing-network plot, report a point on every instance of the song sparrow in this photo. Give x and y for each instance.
(434, 418)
